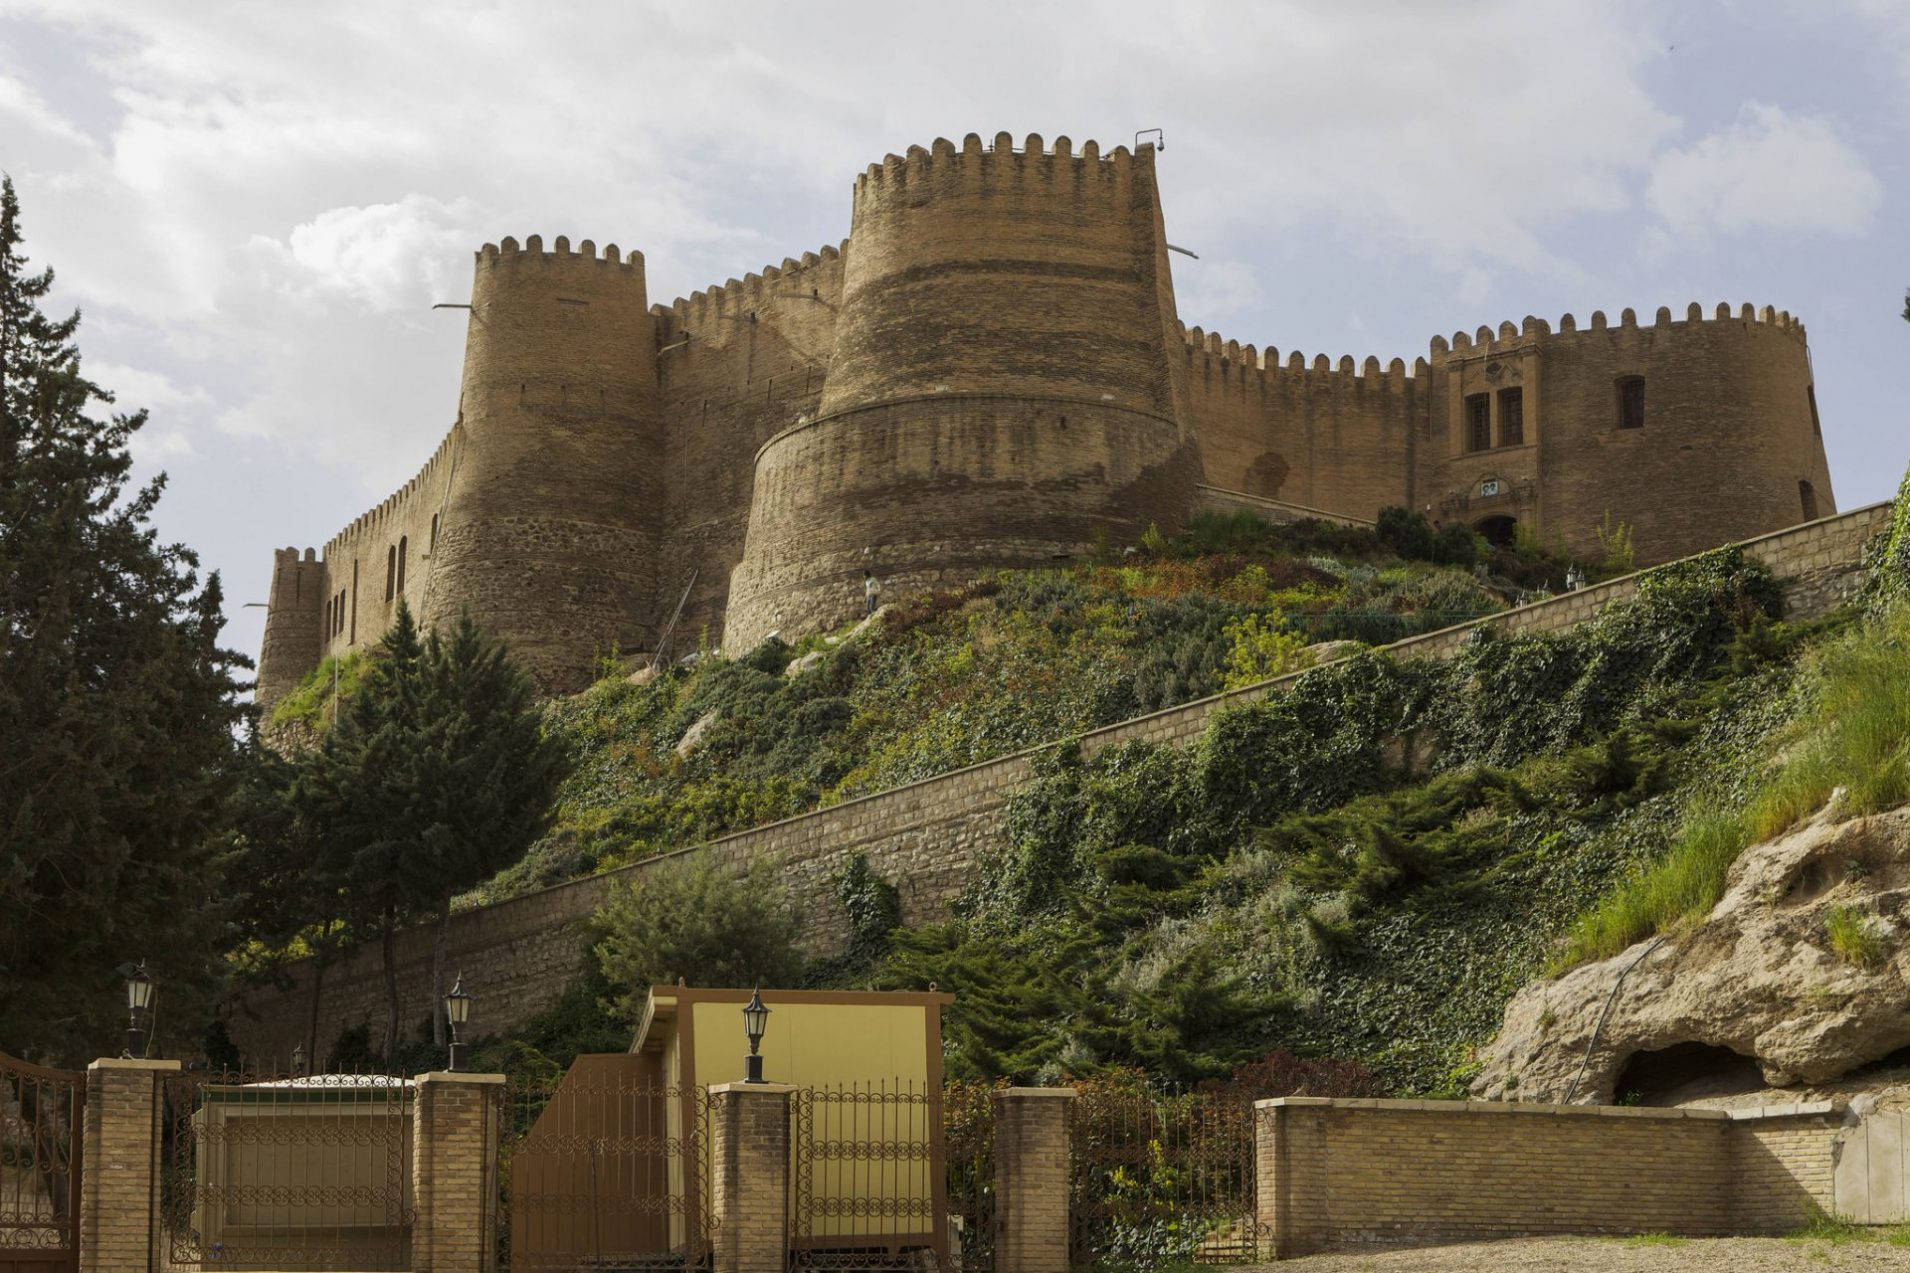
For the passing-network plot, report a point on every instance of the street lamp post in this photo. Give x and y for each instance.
(139, 1003)
(755, 1021)
(457, 1010)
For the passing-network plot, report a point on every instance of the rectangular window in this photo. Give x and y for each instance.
(1512, 417)
(1631, 402)
(403, 542)
(1479, 422)
(1807, 496)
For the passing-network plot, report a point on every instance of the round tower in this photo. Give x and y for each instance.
(1001, 391)
(548, 534)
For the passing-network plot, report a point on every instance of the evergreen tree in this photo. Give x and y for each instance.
(435, 777)
(117, 705)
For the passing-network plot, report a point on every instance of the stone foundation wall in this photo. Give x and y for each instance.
(925, 837)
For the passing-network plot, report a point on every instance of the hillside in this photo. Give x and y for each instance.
(956, 677)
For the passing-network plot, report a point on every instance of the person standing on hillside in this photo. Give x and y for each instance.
(871, 590)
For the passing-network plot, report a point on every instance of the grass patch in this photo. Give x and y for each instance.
(1837, 1230)
(1854, 937)
(1854, 734)
(1654, 1239)
(312, 703)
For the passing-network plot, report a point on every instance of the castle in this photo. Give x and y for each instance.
(990, 371)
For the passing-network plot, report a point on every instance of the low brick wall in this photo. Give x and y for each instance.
(520, 954)
(1348, 1173)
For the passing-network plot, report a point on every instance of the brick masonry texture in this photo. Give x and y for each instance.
(991, 371)
(1031, 1178)
(925, 837)
(749, 1177)
(1347, 1173)
(454, 1181)
(120, 1186)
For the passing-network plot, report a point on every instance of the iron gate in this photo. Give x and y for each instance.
(1160, 1178)
(604, 1168)
(286, 1172)
(867, 1186)
(42, 1114)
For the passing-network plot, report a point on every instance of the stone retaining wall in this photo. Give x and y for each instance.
(518, 955)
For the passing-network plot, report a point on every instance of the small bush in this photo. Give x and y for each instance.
(1261, 649)
(699, 920)
(1855, 937)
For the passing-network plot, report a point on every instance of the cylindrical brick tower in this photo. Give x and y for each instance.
(548, 535)
(1001, 391)
(294, 624)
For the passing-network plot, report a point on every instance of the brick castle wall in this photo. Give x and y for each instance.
(925, 837)
(991, 371)
(1350, 1173)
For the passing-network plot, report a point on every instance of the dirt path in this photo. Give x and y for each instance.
(1615, 1255)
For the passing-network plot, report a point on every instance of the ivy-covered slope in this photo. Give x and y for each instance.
(954, 678)
(1289, 882)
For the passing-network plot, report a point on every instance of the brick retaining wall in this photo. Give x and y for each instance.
(1347, 1173)
(518, 955)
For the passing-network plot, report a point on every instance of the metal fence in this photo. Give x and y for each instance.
(968, 1135)
(603, 1168)
(867, 1184)
(41, 1115)
(286, 1171)
(1160, 1178)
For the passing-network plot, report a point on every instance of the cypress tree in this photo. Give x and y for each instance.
(436, 776)
(117, 705)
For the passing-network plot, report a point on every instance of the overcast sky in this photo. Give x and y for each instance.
(256, 204)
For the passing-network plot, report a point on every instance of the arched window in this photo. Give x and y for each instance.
(391, 570)
(1807, 496)
(402, 541)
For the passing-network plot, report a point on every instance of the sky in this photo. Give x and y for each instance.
(256, 205)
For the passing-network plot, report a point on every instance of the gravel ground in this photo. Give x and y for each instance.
(1614, 1255)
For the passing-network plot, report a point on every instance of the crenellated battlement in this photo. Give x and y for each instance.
(943, 167)
(1230, 364)
(739, 296)
(377, 516)
(1523, 335)
(506, 254)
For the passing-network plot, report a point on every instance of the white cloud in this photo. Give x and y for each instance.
(1767, 171)
(385, 257)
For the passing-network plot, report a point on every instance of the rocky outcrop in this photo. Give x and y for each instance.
(1758, 986)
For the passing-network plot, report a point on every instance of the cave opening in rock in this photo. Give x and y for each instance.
(1684, 1072)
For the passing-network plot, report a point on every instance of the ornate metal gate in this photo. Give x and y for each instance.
(606, 1168)
(868, 1184)
(42, 1114)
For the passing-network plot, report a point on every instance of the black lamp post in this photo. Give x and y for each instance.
(457, 1010)
(139, 1004)
(755, 1021)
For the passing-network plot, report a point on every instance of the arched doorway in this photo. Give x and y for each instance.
(1499, 530)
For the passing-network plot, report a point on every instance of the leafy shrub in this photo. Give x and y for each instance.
(1261, 650)
(697, 919)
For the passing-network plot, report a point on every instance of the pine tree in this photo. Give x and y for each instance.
(117, 705)
(436, 776)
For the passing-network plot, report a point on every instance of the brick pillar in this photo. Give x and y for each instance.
(1289, 1149)
(119, 1186)
(1031, 1179)
(454, 1125)
(749, 1177)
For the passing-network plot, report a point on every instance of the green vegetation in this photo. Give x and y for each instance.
(1653, 1239)
(1298, 880)
(697, 918)
(118, 707)
(313, 704)
(1855, 937)
(1853, 732)
(962, 676)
